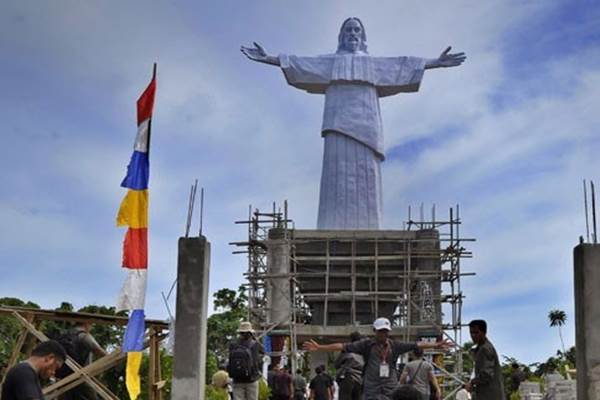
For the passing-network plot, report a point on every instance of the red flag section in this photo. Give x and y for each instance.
(135, 249)
(145, 103)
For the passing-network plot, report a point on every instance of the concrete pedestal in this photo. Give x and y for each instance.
(189, 369)
(587, 320)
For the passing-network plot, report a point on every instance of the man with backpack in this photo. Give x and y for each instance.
(299, 386)
(349, 368)
(381, 354)
(419, 374)
(80, 345)
(244, 366)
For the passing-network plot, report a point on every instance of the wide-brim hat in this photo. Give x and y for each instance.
(245, 327)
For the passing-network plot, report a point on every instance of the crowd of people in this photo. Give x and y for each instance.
(366, 368)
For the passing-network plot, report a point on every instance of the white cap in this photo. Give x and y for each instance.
(382, 323)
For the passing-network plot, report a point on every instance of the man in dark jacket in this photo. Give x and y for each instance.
(349, 368)
(380, 354)
(487, 381)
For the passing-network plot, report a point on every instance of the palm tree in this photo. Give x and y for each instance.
(558, 318)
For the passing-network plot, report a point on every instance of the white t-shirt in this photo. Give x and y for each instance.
(462, 394)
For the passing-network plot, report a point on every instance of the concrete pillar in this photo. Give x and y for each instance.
(427, 292)
(189, 369)
(587, 320)
(278, 289)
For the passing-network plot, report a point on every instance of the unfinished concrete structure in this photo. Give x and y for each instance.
(326, 284)
(587, 319)
(189, 367)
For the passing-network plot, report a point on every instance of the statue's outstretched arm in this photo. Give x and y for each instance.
(257, 53)
(446, 59)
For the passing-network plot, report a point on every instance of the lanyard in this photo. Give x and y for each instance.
(383, 354)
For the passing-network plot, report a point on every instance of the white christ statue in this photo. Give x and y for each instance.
(352, 82)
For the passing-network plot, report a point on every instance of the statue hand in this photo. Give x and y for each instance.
(256, 53)
(447, 59)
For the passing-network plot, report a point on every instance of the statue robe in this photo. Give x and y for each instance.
(350, 193)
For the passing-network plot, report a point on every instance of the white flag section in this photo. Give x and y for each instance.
(141, 139)
(133, 292)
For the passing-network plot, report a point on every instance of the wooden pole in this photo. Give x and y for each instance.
(154, 367)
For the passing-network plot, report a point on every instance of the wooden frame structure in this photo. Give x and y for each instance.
(31, 318)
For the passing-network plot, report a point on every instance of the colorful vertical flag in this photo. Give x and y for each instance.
(133, 213)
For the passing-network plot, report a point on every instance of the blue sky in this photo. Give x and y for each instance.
(509, 136)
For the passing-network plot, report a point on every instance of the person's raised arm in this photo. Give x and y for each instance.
(446, 59)
(311, 345)
(403, 376)
(258, 53)
(442, 345)
(434, 382)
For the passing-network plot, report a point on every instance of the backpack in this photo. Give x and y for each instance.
(241, 363)
(74, 348)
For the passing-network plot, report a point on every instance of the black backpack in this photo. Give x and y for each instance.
(241, 362)
(75, 349)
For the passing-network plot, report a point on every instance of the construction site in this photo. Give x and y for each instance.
(325, 284)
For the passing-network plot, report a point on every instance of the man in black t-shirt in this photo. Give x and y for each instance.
(283, 388)
(23, 380)
(321, 386)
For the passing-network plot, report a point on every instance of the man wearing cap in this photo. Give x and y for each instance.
(245, 364)
(380, 355)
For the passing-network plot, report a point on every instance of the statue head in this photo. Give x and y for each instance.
(352, 37)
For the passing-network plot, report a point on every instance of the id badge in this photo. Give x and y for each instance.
(384, 370)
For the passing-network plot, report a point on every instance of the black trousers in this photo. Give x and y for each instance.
(349, 390)
(81, 392)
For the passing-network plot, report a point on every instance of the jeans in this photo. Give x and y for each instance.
(245, 391)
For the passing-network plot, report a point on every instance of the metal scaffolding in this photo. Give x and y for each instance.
(337, 281)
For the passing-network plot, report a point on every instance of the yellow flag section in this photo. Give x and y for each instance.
(134, 360)
(134, 209)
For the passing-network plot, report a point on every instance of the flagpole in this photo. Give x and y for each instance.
(150, 120)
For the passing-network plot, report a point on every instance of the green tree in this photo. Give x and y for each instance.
(231, 308)
(468, 361)
(558, 318)
(10, 329)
